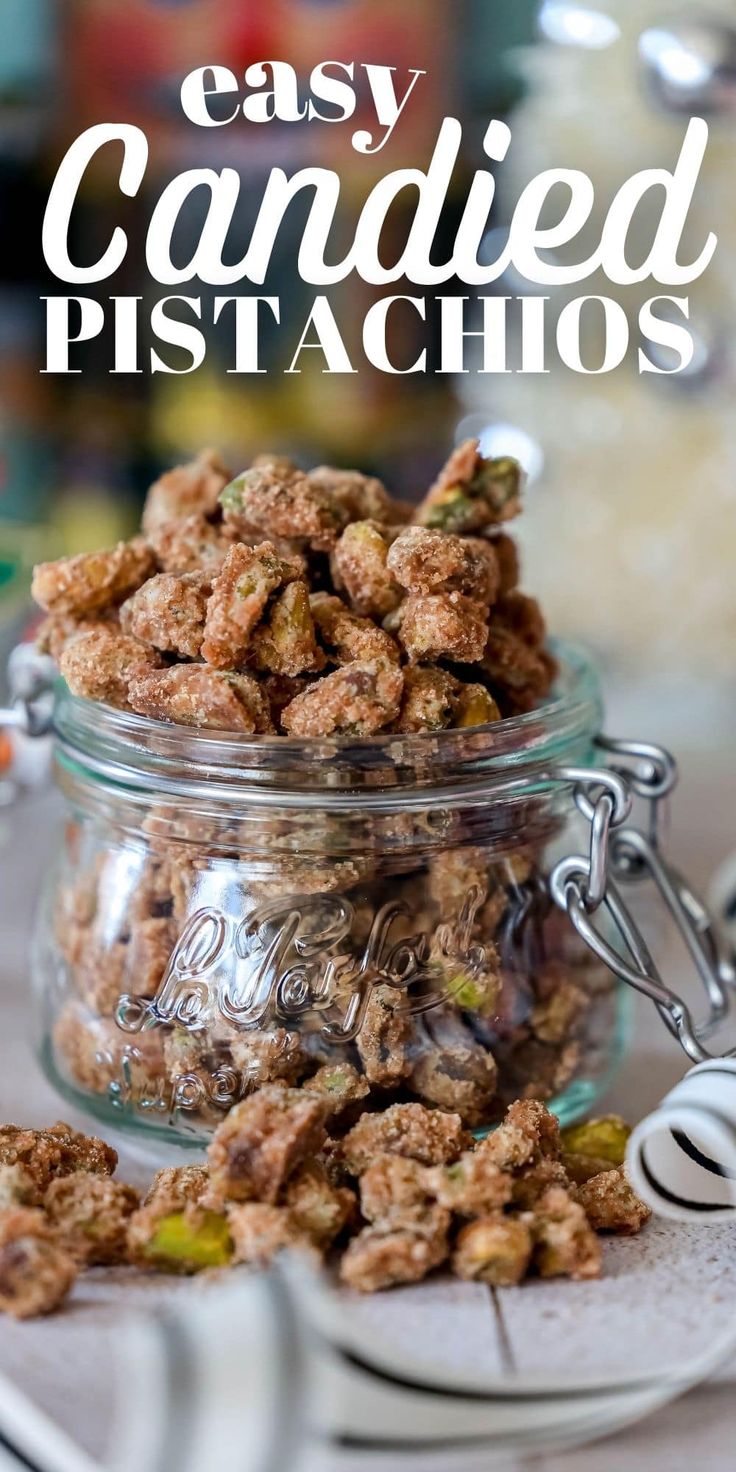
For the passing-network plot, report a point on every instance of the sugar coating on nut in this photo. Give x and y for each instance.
(283, 502)
(259, 1231)
(493, 1249)
(187, 490)
(36, 1273)
(192, 545)
(565, 1244)
(194, 695)
(285, 643)
(169, 612)
(263, 1140)
(102, 664)
(358, 699)
(428, 1135)
(471, 1186)
(360, 566)
(611, 1204)
(240, 592)
(472, 493)
(396, 1188)
(425, 561)
(58, 1151)
(93, 580)
(90, 1216)
(384, 1255)
(443, 626)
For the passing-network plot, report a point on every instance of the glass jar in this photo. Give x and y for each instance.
(368, 918)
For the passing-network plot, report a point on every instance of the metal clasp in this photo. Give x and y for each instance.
(28, 716)
(620, 855)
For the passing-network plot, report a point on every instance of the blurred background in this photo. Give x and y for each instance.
(630, 531)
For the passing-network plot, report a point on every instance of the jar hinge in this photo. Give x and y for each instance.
(28, 716)
(622, 854)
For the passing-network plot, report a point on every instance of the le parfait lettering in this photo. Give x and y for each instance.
(286, 961)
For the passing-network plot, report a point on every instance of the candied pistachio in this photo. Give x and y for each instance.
(604, 1138)
(494, 1249)
(36, 1273)
(92, 580)
(185, 490)
(348, 636)
(384, 1255)
(285, 643)
(240, 593)
(395, 1189)
(443, 626)
(318, 1207)
(424, 561)
(475, 706)
(44, 1155)
(475, 993)
(565, 1244)
(89, 1215)
(355, 496)
(428, 702)
(531, 1182)
(262, 1141)
(472, 492)
(265, 1056)
(358, 699)
(611, 1204)
(283, 503)
(194, 695)
(191, 545)
(260, 1230)
(453, 1071)
(471, 1186)
(526, 1134)
(188, 1241)
(359, 564)
(386, 1037)
(60, 629)
(431, 1136)
(339, 1084)
(168, 612)
(102, 664)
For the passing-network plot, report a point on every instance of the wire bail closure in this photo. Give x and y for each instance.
(619, 854)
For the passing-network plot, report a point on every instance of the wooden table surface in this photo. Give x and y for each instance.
(665, 1297)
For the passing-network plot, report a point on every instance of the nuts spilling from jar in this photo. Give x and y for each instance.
(399, 1194)
(306, 604)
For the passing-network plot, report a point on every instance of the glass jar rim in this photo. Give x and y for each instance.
(136, 754)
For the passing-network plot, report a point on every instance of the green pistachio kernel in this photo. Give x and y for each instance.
(498, 483)
(474, 994)
(231, 498)
(475, 707)
(202, 1242)
(336, 1082)
(451, 511)
(604, 1139)
(455, 1172)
